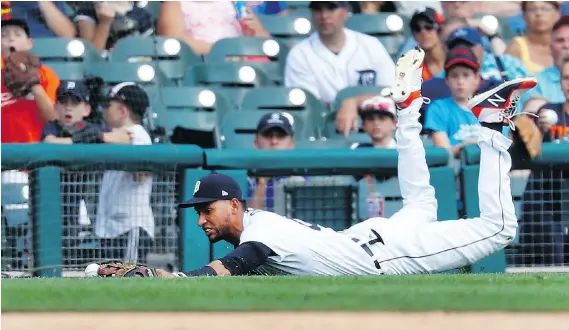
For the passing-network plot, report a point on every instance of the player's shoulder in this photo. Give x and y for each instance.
(140, 135)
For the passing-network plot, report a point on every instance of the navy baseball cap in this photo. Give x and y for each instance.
(73, 88)
(282, 120)
(461, 55)
(214, 187)
(428, 14)
(335, 4)
(132, 95)
(464, 35)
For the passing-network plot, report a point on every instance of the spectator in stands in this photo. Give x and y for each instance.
(549, 80)
(275, 131)
(379, 122)
(452, 124)
(541, 225)
(334, 57)
(125, 221)
(534, 48)
(103, 23)
(425, 26)
(23, 118)
(202, 23)
(501, 67)
(44, 18)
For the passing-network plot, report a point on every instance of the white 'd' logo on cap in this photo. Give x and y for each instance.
(224, 193)
(197, 187)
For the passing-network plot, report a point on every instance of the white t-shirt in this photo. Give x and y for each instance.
(124, 204)
(362, 61)
(305, 249)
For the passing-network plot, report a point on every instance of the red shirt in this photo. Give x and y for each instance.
(21, 120)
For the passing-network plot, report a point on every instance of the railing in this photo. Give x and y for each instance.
(51, 198)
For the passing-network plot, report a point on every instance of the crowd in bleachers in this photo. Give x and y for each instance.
(279, 74)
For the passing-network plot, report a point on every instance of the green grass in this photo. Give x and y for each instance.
(507, 292)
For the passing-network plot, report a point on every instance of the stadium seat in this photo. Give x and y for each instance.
(171, 55)
(352, 91)
(238, 129)
(65, 50)
(67, 70)
(289, 29)
(275, 51)
(389, 28)
(142, 73)
(294, 100)
(297, 4)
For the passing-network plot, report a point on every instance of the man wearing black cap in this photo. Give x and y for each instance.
(334, 57)
(23, 117)
(274, 131)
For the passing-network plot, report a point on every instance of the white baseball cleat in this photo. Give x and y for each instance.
(498, 105)
(408, 78)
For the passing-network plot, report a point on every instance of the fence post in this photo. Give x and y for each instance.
(47, 221)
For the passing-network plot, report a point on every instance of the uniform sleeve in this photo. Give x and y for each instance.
(383, 64)
(49, 81)
(435, 118)
(86, 11)
(298, 73)
(268, 233)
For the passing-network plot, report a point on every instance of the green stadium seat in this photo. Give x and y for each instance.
(293, 100)
(223, 49)
(194, 99)
(300, 12)
(393, 44)
(376, 24)
(232, 74)
(114, 73)
(65, 50)
(172, 56)
(289, 29)
(297, 4)
(353, 91)
(238, 129)
(67, 70)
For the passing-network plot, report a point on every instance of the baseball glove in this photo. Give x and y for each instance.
(84, 132)
(529, 134)
(21, 72)
(120, 269)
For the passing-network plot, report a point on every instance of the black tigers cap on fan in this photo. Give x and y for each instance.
(132, 95)
(214, 187)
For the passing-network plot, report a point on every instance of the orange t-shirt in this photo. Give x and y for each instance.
(21, 120)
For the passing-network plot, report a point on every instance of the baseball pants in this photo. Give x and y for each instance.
(414, 241)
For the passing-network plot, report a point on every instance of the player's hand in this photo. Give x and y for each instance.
(251, 25)
(105, 12)
(347, 117)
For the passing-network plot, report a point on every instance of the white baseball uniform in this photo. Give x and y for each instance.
(412, 241)
(362, 61)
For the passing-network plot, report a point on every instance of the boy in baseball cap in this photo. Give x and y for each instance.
(379, 122)
(452, 125)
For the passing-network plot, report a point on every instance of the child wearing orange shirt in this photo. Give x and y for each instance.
(23, 118)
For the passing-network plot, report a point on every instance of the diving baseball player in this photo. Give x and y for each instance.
(412, 241)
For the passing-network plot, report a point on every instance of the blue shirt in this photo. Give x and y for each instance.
(548, 86)
(444, 115)
(30, 12)
(267, 7)
(514, 67)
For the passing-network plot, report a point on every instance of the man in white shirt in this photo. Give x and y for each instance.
(412, 241)
(334, 57)
(124, 217)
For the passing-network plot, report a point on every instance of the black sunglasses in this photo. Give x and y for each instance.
(416, 28)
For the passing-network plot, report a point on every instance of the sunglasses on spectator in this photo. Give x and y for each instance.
(416, 28)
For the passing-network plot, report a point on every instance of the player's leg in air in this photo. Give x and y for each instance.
(413, 241)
